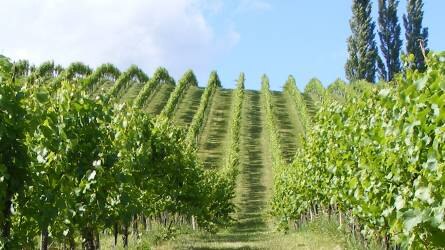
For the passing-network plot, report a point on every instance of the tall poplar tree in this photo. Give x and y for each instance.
(415, 34)
(390, 42)
(362, 48)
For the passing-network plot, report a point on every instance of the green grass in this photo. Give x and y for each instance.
(322, 233)
(288, 125)
(102, 87)
(298, 123)
(147, 239)
(256, 178)
(253, 228)
(187, 106)
(214, 136)
(131, 92)
(310, 101)
(159, 99)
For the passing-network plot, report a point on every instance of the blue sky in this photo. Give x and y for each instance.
(303, 38)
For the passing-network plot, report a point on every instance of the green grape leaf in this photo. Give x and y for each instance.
(411, 219)
(399, 203)
(424, 194)
(421, 83)
(92, 175)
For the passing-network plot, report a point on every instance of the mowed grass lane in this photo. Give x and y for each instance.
(131, 92)
(213, 140)
(187, 106)
(287, 124)
(311, 104)
(158, 99)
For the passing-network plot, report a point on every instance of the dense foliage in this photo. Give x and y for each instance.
(378, 158)
(105, 71)
(160, 76)
(13, 152)
(290, 87)
(339, 90)
(232, 161)
(274, 137)
(125, 79)
(73, 164)
(73, 72)
(315, 89)
(205, 102)
(187, 80)
(44, 72)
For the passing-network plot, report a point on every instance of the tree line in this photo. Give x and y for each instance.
(364, 60)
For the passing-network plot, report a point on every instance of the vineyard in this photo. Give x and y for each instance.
(91, 157)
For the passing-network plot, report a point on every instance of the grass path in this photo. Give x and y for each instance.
(287, 124)
(102, 87)
(253, 228)
(214, 136)
(187, 106)
(254, 184)
(255, 181)
(159, 99)
(131, 92)
(310, 104)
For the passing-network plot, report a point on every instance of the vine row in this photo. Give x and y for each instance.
(205, 102)
(377, 160)
(187, 80)
(274, 137)
(232, 161)
(160, 76)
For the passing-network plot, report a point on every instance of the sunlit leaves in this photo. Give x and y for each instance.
(380, 154)
(198, 118)
(95, 163)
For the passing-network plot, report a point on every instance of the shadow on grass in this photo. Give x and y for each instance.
(131, 92)
(189, 105)
(159, 99)
(102, 87)
(253, 198)
(310, 104)
(217, 127)
(250, 228)
(288, 135)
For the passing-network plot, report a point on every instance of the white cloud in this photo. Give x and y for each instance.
(149, 33)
